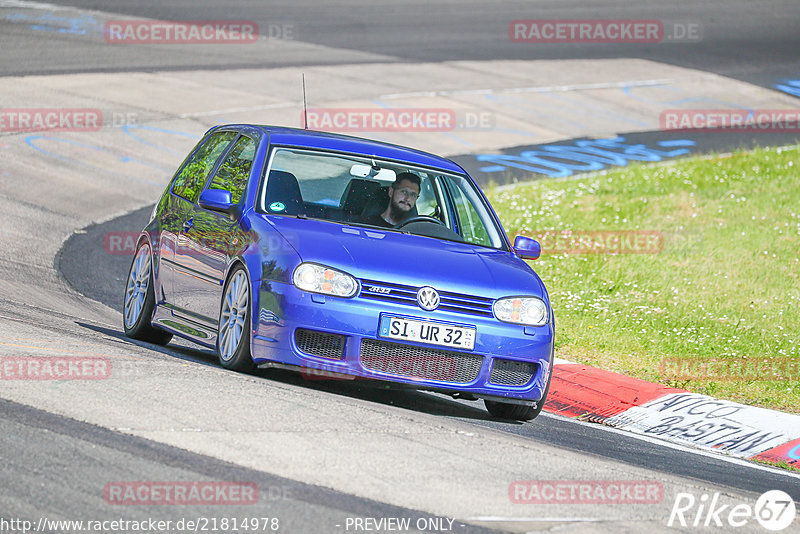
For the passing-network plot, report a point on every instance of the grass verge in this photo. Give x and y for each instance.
(710, 299)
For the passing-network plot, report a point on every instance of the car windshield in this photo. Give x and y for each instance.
(350, 189)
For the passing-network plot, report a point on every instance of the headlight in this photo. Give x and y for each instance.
(321, 279)
(529, 311)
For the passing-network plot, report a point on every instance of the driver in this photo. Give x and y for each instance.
(403, 194)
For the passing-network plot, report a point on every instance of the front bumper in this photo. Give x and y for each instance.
(283, 310)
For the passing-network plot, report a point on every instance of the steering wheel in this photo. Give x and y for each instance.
(419, 218)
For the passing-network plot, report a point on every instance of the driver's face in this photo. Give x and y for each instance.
(404, 197)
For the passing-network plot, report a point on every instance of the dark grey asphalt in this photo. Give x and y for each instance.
(67, 464)
(755, 41)
(46, 469)
(685, 144)
(91, 271)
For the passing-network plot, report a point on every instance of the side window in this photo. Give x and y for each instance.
(469, 222)
(426, 203)
(235, 170)
(193, 176)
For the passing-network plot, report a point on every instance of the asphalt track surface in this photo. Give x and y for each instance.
(52, 463)
(81, 261)
(755, 41)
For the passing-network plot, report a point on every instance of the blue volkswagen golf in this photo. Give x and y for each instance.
(345, 257)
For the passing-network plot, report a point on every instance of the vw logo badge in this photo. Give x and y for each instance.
(428, 298)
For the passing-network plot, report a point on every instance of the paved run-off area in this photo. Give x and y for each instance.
(396, 449)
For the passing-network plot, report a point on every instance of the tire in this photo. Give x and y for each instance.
(139, 301)
(233, 332)
(519, 412)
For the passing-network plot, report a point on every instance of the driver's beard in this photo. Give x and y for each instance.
(398, 214)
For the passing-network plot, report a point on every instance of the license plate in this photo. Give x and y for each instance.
(445, 335)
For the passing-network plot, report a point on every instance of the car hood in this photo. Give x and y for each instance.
(373, 254)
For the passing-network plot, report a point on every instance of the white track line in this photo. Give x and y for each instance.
(540, 89)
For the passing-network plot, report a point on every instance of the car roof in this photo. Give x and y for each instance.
(282, 135)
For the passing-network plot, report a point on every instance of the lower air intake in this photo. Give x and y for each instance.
(420, 362)
(512, 373)
(320, 344)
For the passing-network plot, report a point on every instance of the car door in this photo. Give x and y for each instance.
(185, 192)
(213, 238)
(175, 211)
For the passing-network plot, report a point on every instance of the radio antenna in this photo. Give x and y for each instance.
(305, 108)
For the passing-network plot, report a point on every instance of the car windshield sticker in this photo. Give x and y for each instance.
(277, 206)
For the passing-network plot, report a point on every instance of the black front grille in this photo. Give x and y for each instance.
(403, 294)
(320, 344)
(420, 362)
(512, 373)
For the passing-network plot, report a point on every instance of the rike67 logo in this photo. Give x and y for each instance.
(774, 510)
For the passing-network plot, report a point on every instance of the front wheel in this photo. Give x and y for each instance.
(514, 412)
(233, 335)
(137, 308)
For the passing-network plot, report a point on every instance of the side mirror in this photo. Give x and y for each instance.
(216, 200)
(527, 248)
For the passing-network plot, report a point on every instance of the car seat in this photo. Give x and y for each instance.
(356, 196)
(283, 194)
